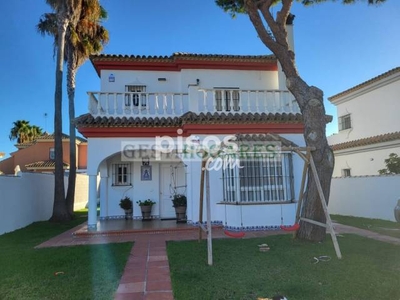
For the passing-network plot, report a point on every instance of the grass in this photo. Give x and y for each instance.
(377, 225)
(89, 272)
(369, 269)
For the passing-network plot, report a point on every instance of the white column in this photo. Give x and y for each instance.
(92, 214)
(103, 197)
(194, 98)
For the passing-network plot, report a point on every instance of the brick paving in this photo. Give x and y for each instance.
(146, 275)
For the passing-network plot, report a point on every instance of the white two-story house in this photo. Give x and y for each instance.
(191, 101)
(369, 125)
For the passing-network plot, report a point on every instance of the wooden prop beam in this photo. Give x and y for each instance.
(203, 168)
(302, 187)
(325, 208)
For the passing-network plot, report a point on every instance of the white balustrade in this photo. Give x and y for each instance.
(138, 104)
(247, 101)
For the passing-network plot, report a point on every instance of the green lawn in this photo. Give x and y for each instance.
(89, 272)
(369, 269)
(376, 225)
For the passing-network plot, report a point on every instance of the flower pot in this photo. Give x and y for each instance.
(146, 212)
(180, 212)
(397, 211)
(128, 214)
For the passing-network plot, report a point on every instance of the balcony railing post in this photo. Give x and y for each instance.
(131, 104)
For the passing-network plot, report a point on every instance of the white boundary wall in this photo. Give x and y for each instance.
(29, 198)
(365, 196)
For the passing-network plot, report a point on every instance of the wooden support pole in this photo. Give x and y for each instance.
(325, 208)
(314, 222)
(209, 227)
(203, 167)
(302, 187)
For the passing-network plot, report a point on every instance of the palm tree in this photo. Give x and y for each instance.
(35, 132)
(85, 36)
(23, 132)
(63, 14)
(20, 131)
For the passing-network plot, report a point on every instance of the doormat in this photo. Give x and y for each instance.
(168, 219)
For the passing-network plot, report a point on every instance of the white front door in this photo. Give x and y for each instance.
(166, 191)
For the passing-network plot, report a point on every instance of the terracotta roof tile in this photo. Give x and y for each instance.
(265, 137)
(182, 55)
(47, 136)
(87, 120)
(365, 83)
(44, 164)
(368, 141)
(234, 118)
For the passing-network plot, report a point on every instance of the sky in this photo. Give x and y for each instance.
(336, 46)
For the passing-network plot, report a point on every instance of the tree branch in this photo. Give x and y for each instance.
(284, 12)
(252, 11)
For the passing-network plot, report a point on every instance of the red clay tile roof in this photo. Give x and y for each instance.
(368, 141)
(244, 118)
(87, 120)
(44, 164)
(182, 55)
(47, 136)
(366, 83)
(265, 137)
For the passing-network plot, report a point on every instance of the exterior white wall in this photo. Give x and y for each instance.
(364, 160)
(140, 190)
(178, 82)
(104, 152)
(369, 197)
(373, 110)
(30, 198)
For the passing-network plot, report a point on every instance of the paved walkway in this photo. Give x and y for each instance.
(339, 228)
(146, 275)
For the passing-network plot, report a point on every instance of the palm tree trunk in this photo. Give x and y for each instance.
(60, 212)
(72, 133)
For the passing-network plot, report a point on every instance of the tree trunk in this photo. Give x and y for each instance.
(72, 133)
(60, 212)
(311, 104)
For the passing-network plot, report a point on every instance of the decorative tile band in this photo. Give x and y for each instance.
(120, 217)
(236, 228)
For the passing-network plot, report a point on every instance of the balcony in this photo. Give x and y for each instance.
(138, 104)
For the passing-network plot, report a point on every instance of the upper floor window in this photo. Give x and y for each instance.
(121, 174)
(136, 95)
(344, 122)
(346, 173)
(227, 99)
(52, 154)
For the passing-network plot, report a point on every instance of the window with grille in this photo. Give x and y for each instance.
(121, 174)
(344, 122)
(260, 179)
(136, 96)
(227, 100)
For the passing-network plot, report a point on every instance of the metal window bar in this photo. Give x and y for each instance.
(261, 179)
(121, 174)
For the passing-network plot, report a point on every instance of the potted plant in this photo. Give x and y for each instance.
(179, 201)
(145, 207)
(126, 205)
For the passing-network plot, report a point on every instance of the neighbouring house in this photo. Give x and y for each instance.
(369, 125)
(38, 155)
(152, 112)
